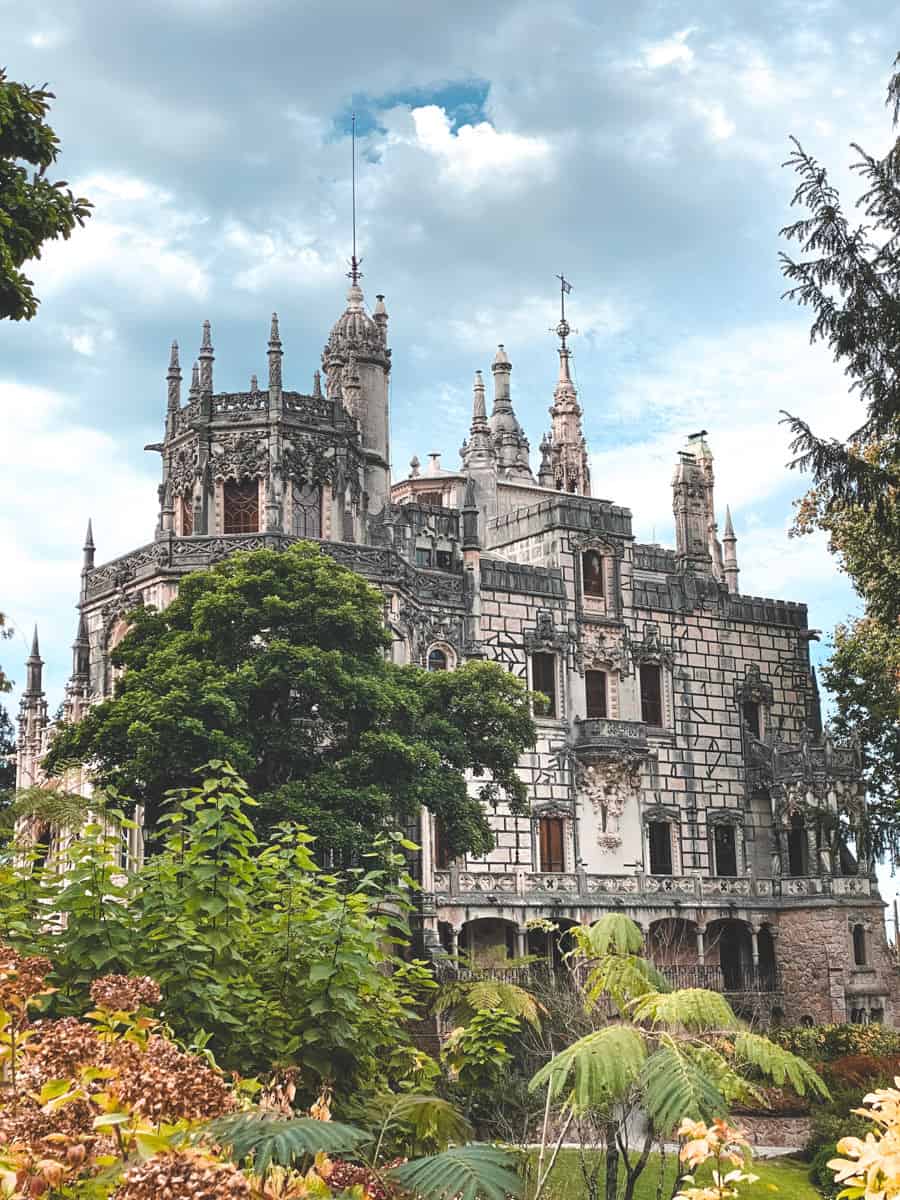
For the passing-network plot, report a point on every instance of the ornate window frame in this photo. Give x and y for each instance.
(444, 648)
(609, 605)
(555, 811)
(653, 650)
(734, 818)
(664, 814)
(753, 689)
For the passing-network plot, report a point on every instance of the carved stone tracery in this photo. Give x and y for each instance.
(609, 784)
(652, 648)
(243, 455)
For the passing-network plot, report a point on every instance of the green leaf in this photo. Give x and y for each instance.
(473, 1172)
(430, 1117)
(673, 1086)
(281, 1140)
(695, 1009)
(779, 1064)
(596, 1071)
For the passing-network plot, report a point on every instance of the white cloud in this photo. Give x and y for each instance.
(719, 125)
(671, 51)
(530, 320)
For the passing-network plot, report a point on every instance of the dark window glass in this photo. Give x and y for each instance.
(444, 560)
(726, 850)
(659, 836)
(187, 515)
(543, 679)
(307, 511)
(551, 838)
(423, 557)
(750, 711)
(595, 689)
(592, 573)
(442, 857)
(651, 694)
(242, 506)
(437, 660)
(859, 945)
(797, 847)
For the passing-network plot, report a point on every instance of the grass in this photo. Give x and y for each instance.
(783, 1177)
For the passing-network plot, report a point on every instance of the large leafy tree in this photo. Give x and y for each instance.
(33, 210)
(848, 274)
(276, 663)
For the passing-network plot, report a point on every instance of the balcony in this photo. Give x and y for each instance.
(503, 886)
(603, 733)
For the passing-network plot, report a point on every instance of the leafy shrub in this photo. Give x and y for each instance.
(820, 1173)
(862, 1070)
(823, 1043)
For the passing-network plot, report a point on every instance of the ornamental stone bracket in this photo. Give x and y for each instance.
(652, 648)
(601, 647)
(545, 635)
(752, 689)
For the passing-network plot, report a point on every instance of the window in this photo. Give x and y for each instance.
(651, 694)
(859, 945)
(552, 833)
(435, 499)
(595, 691)
(725, 844)
(797, 847)
(592, 573)
(659, 838)
(187, 515)
(423, 557)
(543, 679)
(750, 711)
(242, 506)
(437, 660)
(444, 560)
(442, 856)
(307, 511)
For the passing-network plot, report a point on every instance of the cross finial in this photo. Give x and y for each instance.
(563, 329)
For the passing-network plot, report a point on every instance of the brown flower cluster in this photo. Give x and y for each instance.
(347, 1175)
(20, 978)
(185, 1176)
(125, 993)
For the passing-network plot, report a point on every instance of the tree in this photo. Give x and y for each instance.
(32, 210)
(5, 634)
(673, 1055)
(849, 276)
(275, 661)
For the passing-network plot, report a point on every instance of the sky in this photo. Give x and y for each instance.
(637, 147)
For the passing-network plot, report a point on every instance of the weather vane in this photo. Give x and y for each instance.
(563, 329)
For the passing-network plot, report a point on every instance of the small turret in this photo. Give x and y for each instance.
(207, 357)
(194, 390)
(275, 355)
(510, 443)
(730, 562)
(471, 540)
(546, 477)
(479, 447)
(87, 561)
(34, 670)
(380, 316)
(317, 385)
(254, 385)
(81, 652)
(167, 509)
(173, 379)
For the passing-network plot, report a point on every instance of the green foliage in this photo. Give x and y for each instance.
(32, 210)
(277, 962)
(613, 933)
(462, 999)
(275, 662)
(473, 1172)
(597, 1071)
(822, 1043)
(5, 633)
(284, 1141)
(778, 1064)
(477, 1053)
(674, 1085)
(692, 1009)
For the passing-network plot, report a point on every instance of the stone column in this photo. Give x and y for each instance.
(754, 945)
(454, 943)
(521, 942)
(701, 949)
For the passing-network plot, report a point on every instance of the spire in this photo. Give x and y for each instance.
(206, 361)
(173, 379)
(730, 562)
(254, 385)
(87, 561)
(546, 476)
(317, 385)
(355, 273)
(510, 442)
(275, 356)
(167, 508)
(567, 467)
(692, 504)
(471, 540)
(34, 670)
(81, 651)
(479, 447)
(380, 315)
(194, 390)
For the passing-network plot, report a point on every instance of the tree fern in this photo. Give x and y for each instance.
(614, 933)
(694, 1009)
(623, 977)
(429, 1118)
(473, 1172)
(778, 1064)
(279, 1140)
(674, 1086)
(597, 1071)
(464, 999)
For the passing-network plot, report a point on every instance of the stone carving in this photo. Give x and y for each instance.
(240, 456)
(472, 881)
(545, 635)
(751, 689)
(652, 648)
(309, 460)
(421, 627)
(541, 882)
(609, 786)
(603, 648)
(184, 466)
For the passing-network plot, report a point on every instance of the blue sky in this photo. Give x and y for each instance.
(637, 147)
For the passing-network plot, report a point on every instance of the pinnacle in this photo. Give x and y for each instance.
(89, 536)
(206, 341)
(274, 336)
(35, 647)
(173, 358)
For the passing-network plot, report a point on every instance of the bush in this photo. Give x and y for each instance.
(862, 1071)
(823, 1043)
(821, 1175)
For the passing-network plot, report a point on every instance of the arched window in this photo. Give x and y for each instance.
(551, 843)
(797, 846)
(651, 694)
(592, 573)
(307, 510)
(859, 945)
(437, 659)
(725, 845)
(241, 506)
(187, 515)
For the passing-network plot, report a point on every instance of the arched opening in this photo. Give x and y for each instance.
(859, 945)
(729, 941)
(768, 972)
(798, 849)
(437, 659)
(488, 942)
(307, 510)
(672, 943)
(551, 942)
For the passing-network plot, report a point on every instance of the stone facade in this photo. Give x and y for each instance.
(681, 773)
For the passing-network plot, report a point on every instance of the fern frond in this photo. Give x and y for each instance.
(430, 1118)
(596, 1071)
(624, 978)
(734, 1087)
(283, 1141)
(614, 933)
(694, 1009)
(473, 1172)
(674, 1086)
(779, 1064)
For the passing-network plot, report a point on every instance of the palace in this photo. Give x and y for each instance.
(681, 774)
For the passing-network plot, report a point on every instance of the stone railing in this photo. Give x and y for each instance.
(591, 888)
(604, 732)
(781, 763)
